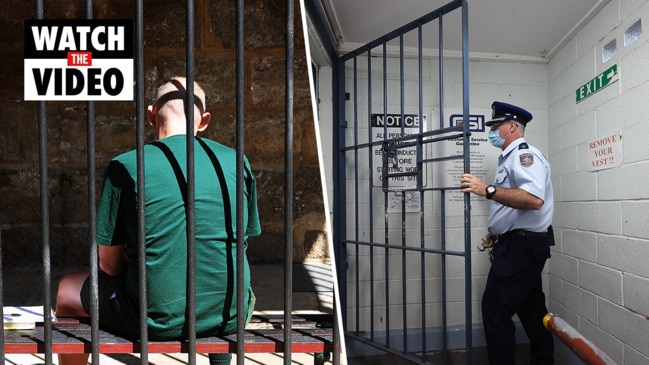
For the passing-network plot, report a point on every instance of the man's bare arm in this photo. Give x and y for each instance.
(112, 260)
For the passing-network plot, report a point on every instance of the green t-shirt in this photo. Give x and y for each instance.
(166, 243)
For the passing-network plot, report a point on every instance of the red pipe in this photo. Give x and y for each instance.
(583, 348)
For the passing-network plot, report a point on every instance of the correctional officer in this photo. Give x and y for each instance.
(519, 237)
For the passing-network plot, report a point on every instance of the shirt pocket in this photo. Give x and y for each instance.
(502, 178)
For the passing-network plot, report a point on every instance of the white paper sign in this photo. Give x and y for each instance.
(401, 160)
(604, 152)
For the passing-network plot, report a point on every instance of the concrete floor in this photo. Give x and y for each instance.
(456, 357)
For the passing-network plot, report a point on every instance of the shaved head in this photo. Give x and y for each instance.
(172, 94)
(167, 113)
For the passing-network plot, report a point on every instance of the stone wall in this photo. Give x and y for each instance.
(115, 124)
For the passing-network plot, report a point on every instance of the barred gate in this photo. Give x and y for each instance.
(140, 119)
(401, 226)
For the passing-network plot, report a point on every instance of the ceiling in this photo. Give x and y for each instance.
(508, 29)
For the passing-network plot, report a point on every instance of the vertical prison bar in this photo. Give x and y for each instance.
(140, 105)
(191, 191)
(45, 215)
(347, 160)
(288, 186)
(467, 168)
(191, 264)
(240, 84)
(92, 218)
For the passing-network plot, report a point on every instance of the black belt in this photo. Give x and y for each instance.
(521, 232)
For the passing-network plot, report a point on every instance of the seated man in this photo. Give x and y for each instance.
(166, 242)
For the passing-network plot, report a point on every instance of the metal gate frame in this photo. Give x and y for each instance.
(342, 190)
(140, 118)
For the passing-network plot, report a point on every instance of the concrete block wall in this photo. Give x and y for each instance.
(599, 277)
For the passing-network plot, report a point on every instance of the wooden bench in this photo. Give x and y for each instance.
(311, 333)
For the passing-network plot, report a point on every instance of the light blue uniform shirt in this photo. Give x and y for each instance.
(523, 166)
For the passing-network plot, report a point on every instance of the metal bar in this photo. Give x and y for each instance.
(442, 201)
(385, 201)
(191, 187)
(581, 346)
(45, 225)
(404, 282)
(339, 177)
(390, 350)
(370, 190)
(288, 184)
(140, 121)
(467, 198)
(336, 335)
(45, 217)
(404, 296)
(92, 219)
(2, 336)
(384, 181)
(356, 205)
(420, 170)
(92, 230)
(424, 134)
(408, 248)
(240, 178)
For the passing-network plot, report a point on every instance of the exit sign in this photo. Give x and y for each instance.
(602, 80)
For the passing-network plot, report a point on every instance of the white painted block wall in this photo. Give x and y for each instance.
(599, 272)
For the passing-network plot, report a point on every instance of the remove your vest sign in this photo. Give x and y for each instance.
(78, 59)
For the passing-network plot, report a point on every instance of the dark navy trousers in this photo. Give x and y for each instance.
(514, 287)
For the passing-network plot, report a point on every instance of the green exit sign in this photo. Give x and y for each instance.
(602, 80)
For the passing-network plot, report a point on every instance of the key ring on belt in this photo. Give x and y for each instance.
(486, 243)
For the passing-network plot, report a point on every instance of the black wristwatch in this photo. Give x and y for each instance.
(491, 190)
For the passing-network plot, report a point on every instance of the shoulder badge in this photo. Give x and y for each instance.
(526, 159)
(523, 146)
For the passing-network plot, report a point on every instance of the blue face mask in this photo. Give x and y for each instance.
(495, 140)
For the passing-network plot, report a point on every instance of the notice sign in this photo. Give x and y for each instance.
(401, 160)
(483, 159)
(78, 59)
(604, 152)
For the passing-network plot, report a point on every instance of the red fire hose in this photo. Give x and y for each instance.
(583, 348)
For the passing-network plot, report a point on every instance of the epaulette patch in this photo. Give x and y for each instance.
(526, 159)
(523, 146)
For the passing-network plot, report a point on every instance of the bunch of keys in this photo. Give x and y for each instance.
(487, 243)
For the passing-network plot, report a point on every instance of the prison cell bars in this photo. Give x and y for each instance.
(92, 218)
(140, 106)
(339, 170)
(288, 184)
(191, 264)
(191, 190)
(240, 145)
(45, 221)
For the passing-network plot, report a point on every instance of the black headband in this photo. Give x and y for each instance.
(178, 94)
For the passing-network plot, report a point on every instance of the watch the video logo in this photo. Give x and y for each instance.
(78, 59)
